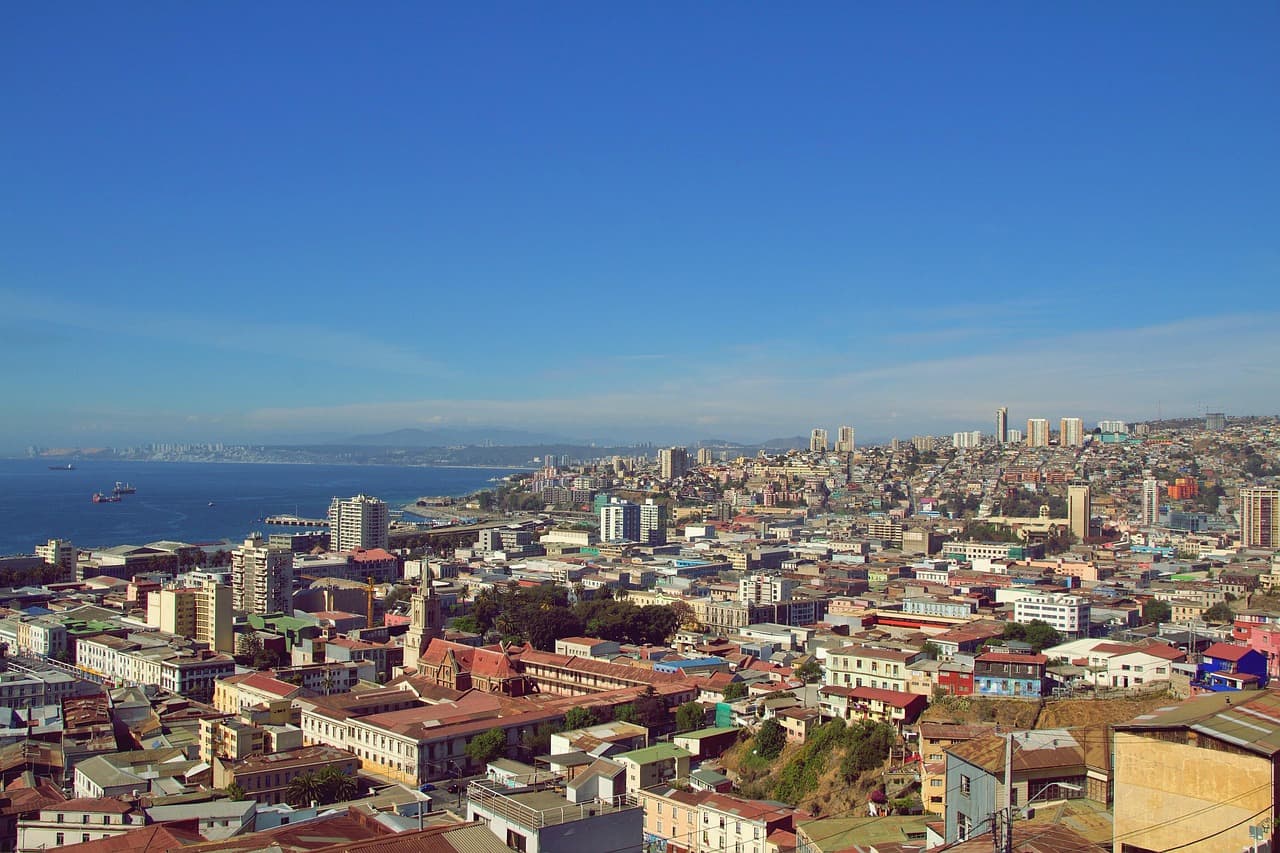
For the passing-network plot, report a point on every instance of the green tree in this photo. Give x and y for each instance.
(770, 739)
(544, 627)
(690, 716)
(626, 713)
(1037, 633)
(235, 792)
(809, 671)
(336, 786)
(487, 746)
(1156, 611)
(931, 651)
(578, 717)
(650, 711)
(734, 691)
(304, 789)
(469, 624)
(397, 595)
(1220, 612)
(537, 741)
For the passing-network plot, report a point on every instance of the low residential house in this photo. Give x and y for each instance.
(139, 772)
(76, 822)
(726, 822)
(707, 743)
(1006, 674)
(935, 738)
(1226, 666)
(870, 666)
(1048, 764)
(955, 676)
(670, 819)
(664, 762)
(25, 797)
(798, 723)
(892, 707)
(587, 647)
(1232, 741)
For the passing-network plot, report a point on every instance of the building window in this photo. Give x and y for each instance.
(964, 785)
(962, 826)
(59, 839)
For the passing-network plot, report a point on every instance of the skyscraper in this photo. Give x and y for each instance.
(261, 577)
(653, 522)
(1079, 510)
(1037, 432)
(844, 440)
(673, 462)
(1259, 517)
(620, 521)
(359, 522)
(1071, 432)
(1215, 421)
(705, 456)
(1150, 502)
(1002, 425)
(818, 440)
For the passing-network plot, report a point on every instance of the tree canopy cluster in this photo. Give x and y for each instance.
(1038, 634)
(542, 615)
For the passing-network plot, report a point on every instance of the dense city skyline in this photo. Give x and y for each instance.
(596, 224)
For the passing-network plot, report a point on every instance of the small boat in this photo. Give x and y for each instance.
(67, 467)
(100, 498)
(210, 503)
(123, 489)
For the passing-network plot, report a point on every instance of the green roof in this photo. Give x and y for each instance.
(704, 733)
(841, 833)
(658, 752)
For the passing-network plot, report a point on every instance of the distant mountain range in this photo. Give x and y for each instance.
(454, 436)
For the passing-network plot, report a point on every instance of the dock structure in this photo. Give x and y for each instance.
(295, 521)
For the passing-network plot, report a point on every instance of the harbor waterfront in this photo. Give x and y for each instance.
(193, 501)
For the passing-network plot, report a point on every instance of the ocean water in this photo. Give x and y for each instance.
(173, 498)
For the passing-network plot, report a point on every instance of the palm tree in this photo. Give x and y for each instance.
(304, 789)
(336, 786)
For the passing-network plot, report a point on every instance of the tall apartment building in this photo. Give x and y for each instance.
(818, 440)
(1037, 432)
(1014, 436)
(1259, 517)
(1002, 425)
(653, 522)
(359, 522)
(922, 443)
(261, 578)
(966, 440)
(620, 521)
(673, 462)
(1150, 502)
(1071, 432)
(1079, 509)
(1215, 421)
(1068, 614)
(844, 440)
(201, 612)
(765, 589)
(60, 553)
(1113, 427)
(705, 456)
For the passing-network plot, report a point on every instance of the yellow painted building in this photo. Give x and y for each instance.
(1195, 777)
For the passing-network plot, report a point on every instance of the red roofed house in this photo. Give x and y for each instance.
(894, 707)
(77, 821)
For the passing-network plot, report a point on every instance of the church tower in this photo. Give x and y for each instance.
(425, 621)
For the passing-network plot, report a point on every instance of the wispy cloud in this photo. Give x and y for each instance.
(281, 340)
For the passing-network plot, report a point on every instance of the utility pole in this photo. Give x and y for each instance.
(1006, 840)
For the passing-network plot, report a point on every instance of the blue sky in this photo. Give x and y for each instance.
(278, 221)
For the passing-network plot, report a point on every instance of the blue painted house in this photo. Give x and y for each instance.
(1227, 666)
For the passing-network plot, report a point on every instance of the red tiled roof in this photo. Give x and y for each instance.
(896, 698)
(1226, 651)
(157, 838)
(93, 804)
(369, 555)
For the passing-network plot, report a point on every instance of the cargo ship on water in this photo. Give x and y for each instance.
(67, 467)
(100, 498)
